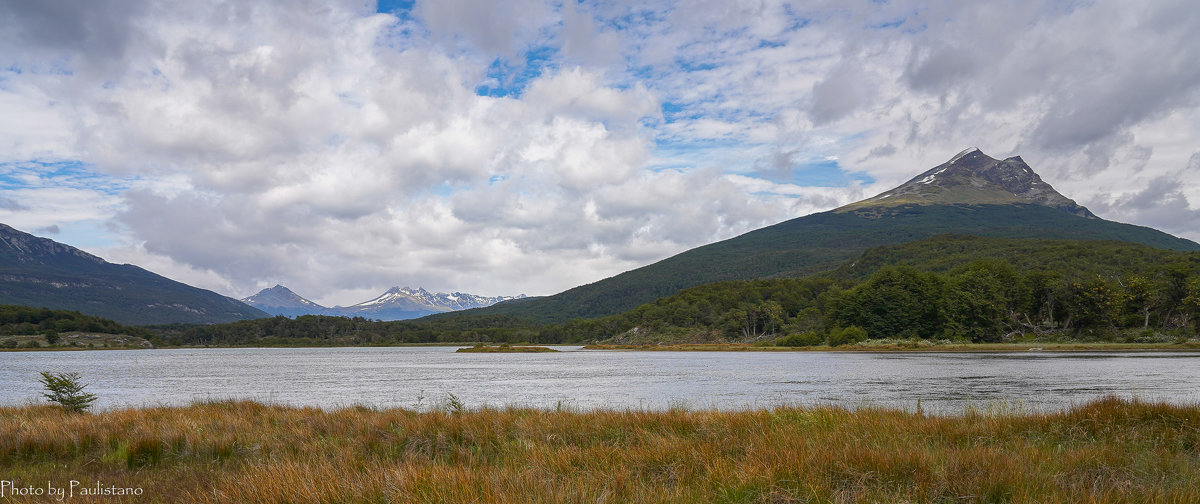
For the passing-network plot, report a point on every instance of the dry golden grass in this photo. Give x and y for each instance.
(1107, 451)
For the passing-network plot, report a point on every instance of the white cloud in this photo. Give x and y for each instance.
(338, 151)
(583, 41)
(295, 163)
(494, 28)
(843, 91)
(32, 126)
(580, 94)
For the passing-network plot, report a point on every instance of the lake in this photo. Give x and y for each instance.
(423, 377)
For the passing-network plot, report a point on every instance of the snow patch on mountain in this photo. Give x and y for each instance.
(419, 298)
(398, 303)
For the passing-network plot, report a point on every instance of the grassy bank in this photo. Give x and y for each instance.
(72, 341)
(1106, 451)
(911, 346)
(866, 346)
(505, 349)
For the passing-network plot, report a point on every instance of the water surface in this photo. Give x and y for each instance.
(422, 377)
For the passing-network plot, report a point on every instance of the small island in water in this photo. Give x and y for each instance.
(505, 348)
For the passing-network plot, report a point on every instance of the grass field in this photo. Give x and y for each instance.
(1107, 451)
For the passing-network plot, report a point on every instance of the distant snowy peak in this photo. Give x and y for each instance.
(463, 301)
(398, 295)
(398, 303)
(280, 300)
(419, 298)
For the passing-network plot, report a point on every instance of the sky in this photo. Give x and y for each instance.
(528, 146)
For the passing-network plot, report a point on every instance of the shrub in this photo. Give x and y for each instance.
(454, 405)
(66, 390)
(847, 336)
(803, 339)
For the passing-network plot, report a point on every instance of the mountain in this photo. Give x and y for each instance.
(973, 178)
(971, 194)
(982, 289)
(280, 300)
(43, 273)
(398, 303)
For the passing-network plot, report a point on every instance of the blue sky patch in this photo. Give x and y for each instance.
(689, 66)
(34, 174)
(827, 173)
(672, 112)
(399, 8)
(795, 20)
(87, 235)
(636, 20)
(504, 79)
(23, 183)
(888, 24)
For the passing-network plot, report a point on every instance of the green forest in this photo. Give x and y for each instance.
(946, 288)
(818, 243)
(24, 320)
(958, 288)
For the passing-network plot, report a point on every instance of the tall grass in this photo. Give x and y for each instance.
(1110, 450)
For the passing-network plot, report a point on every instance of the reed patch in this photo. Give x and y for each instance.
(1110, 450)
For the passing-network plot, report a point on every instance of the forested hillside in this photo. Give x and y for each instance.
(25, 321)
(817, 244)
(946, 252)
(39, 272)
(947, 287)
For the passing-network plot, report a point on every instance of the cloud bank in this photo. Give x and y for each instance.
(341, 147)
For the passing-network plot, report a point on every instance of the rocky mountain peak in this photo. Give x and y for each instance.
(278, 297)
(972, 177)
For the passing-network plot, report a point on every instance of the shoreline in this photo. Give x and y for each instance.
(1190, 346)
(915, 347)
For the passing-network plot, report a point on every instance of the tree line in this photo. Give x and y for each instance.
(946, 287)
(984, 300)
(24, 320)
(950, 287)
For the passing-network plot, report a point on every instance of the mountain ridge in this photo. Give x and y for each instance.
(280, 300)
(40, 272)
(965, 202)
(972, 177)
(397, 303)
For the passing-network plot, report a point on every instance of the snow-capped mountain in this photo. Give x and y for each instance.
(406, 302)
(398, 303)
(280, 300)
